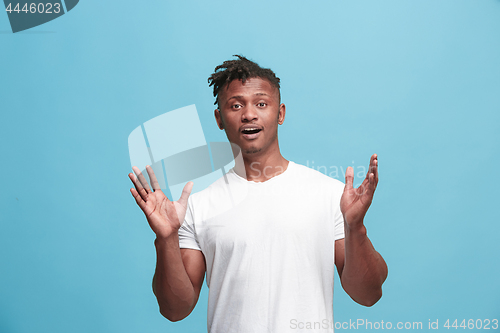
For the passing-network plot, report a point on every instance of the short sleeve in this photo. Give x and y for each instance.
(187, 231)
(339, 225)
(338, 218)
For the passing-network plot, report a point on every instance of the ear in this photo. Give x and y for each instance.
(281, 114)
(218, 119)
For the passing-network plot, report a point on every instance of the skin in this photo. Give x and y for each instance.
(180, 272)
(362, 270)
(256, 102)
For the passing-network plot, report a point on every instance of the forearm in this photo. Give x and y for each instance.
(364, 268)
(171, 284)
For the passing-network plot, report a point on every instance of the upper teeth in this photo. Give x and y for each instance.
(250, 129)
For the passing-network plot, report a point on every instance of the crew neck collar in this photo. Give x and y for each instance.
(287, 171)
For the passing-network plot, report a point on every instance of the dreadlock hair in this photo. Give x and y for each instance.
(240, 69)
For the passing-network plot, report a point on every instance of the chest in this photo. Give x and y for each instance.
(266, 220)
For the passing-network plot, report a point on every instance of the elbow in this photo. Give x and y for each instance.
(172, 316)
(372, 299)
(175, 314)
(174, 311)
(366, 295)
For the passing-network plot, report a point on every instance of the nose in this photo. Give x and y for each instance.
(249, 114)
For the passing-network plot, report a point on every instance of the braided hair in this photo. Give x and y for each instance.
(240, 69)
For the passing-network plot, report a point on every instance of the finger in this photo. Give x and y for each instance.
(370, 166)
(138, 198)
(140, 202)
(349, 178)
(152, 178)
(185, 193)
(362, 188)
(373, 169)
(372, 185)
(373, 174)
(138, 186)
(374, 161)
(141, 178)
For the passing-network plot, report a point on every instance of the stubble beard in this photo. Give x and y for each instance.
(252, 150)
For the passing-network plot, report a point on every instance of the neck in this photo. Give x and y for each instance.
(259, 167)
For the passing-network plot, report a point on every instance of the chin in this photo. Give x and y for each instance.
(252, 150)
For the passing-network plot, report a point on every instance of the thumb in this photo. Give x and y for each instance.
(185, 194)
(349, 178)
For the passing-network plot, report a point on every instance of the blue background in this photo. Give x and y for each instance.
(417, 82)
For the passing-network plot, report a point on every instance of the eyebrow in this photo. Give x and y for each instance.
(241, 96)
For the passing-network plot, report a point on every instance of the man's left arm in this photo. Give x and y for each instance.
(362, 270)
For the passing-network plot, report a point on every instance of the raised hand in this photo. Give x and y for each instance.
(164, 216)
(355, 201)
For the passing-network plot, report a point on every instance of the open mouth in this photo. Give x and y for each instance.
(251, 130)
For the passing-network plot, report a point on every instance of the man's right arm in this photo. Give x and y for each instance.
(179, 272)
(178, 278)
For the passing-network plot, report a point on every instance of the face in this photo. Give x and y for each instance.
(250, 114)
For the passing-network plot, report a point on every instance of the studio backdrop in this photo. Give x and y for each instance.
(416, 82)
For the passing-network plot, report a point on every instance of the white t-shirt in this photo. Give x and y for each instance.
(269, 250)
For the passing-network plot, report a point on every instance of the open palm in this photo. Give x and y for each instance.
(355, 201)
(164, 216)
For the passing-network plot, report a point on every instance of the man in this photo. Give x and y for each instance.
(268, 233)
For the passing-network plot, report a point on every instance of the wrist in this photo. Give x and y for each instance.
(354, 227)
(162, 241)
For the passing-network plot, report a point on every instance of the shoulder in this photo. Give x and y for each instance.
(218, 197)
(214, 189)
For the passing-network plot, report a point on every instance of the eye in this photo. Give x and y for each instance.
(262, 104)
(236, 106)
